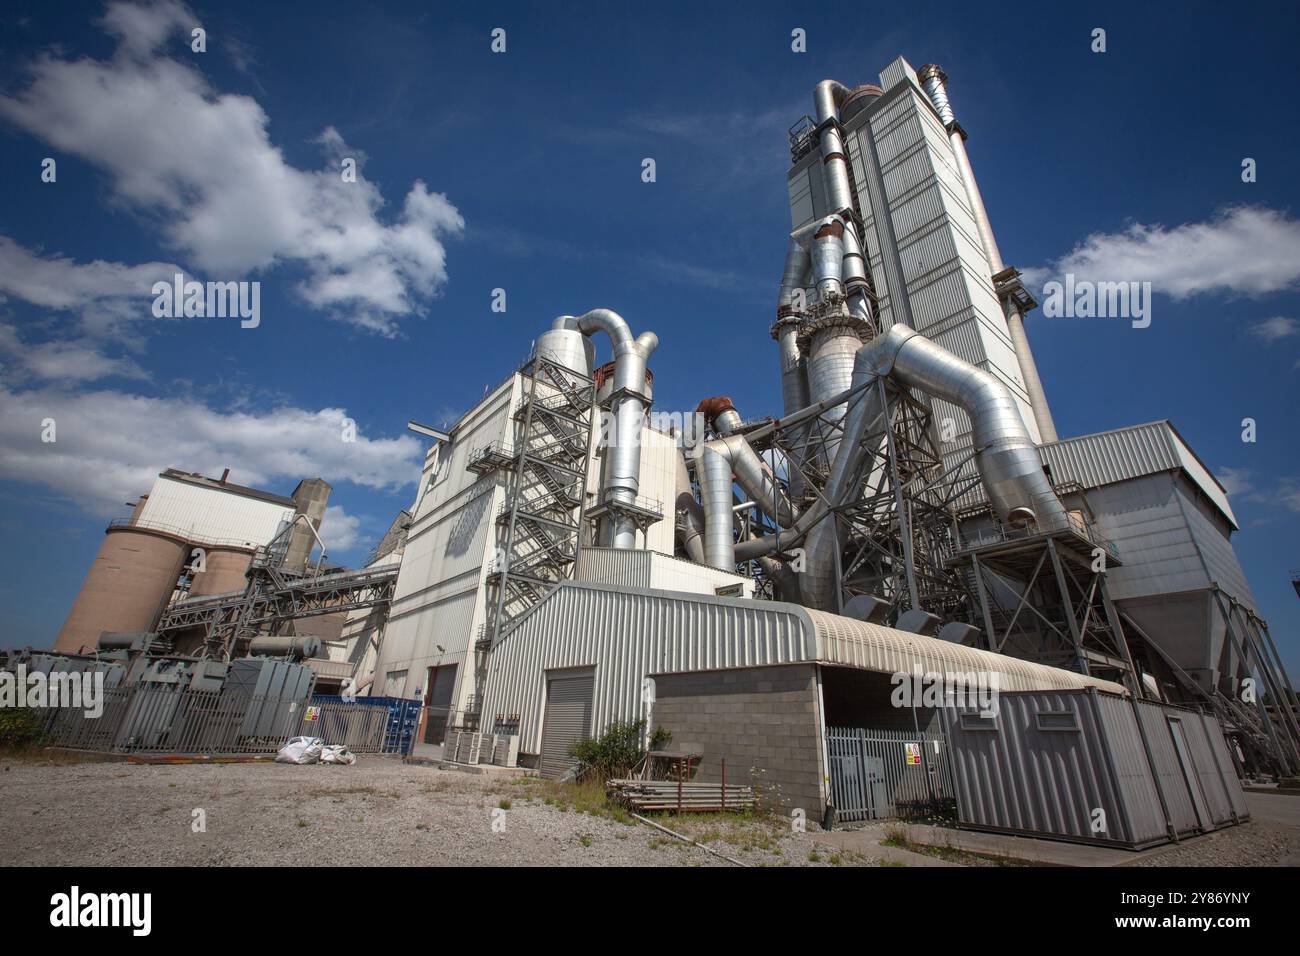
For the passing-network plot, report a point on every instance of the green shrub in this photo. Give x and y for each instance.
(19, 727)
(617, 751)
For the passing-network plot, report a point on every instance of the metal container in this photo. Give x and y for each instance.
(1078, 766)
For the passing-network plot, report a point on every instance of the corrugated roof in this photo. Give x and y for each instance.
(1108, 457)
(854, 643)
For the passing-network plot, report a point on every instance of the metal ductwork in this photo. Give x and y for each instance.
(717, 464)
(690, 515)
(720, 414)
(628, 407)
(1005, 454)
(791, 305)
(564, 345)
(935, 81)
(1007, 458)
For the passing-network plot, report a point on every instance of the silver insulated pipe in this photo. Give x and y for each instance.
(720, 462)
(690, 516)
(628, 407)
(1008, 461)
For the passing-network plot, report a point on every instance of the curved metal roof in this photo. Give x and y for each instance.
(854, 643)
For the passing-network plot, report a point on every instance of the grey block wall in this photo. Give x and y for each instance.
(764, 721)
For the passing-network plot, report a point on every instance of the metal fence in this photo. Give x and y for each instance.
(888, 774)
(144, 719)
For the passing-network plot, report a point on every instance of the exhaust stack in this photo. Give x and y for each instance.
(935, 81)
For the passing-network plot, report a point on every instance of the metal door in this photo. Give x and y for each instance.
(567, 720)
(442, 680)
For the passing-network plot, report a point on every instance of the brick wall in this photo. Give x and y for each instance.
(757, 719)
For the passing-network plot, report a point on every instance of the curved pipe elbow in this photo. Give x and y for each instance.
(828, 97)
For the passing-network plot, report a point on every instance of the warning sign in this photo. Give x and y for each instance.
(313, 713)
(913, 754)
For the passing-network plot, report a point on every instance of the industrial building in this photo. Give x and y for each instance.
(189, 537)
(758, 586)
(912, 506)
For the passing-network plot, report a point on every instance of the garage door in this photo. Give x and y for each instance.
(567, 719)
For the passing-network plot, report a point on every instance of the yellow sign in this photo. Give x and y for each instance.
(313, 713)
(913, 754)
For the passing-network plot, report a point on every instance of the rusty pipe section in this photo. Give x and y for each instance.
(629, 404)
(719, 414)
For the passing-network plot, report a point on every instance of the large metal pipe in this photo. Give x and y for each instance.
(629, 404)
(720, 414)
(690, 516)
(1006, 456)
(713, 470)
(935, 81)
(717, 464)
(791, 305)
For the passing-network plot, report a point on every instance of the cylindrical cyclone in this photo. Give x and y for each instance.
(566, 347)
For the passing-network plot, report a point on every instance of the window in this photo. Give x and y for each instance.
(1057, 720)
(974, 720)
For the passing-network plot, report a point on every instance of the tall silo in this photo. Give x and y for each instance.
(224, 570)
(127, 587)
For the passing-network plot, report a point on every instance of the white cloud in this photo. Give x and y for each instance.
(64, 362)
(1288, 493)
(339, 530)
(1278, 327)
(1246, 250)
(110, 445)
(201, 163)
(106, 295)
(1235, 481)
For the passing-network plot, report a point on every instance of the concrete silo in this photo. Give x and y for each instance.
(128, 585)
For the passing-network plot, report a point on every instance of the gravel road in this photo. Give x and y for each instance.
(382, 812)
(377, 812)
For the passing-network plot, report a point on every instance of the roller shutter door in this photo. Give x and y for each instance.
(567, 719)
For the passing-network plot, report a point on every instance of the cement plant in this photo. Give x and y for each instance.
(895, 601)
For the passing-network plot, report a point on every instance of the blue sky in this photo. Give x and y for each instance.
(522, 171)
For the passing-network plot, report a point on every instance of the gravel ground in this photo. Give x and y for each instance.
(1256, 843)
(377, 812)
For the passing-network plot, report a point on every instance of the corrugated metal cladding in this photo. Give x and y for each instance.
(1072, 765)
(627, 633)
(1125, 453)
(614, 566)
(844, 640)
